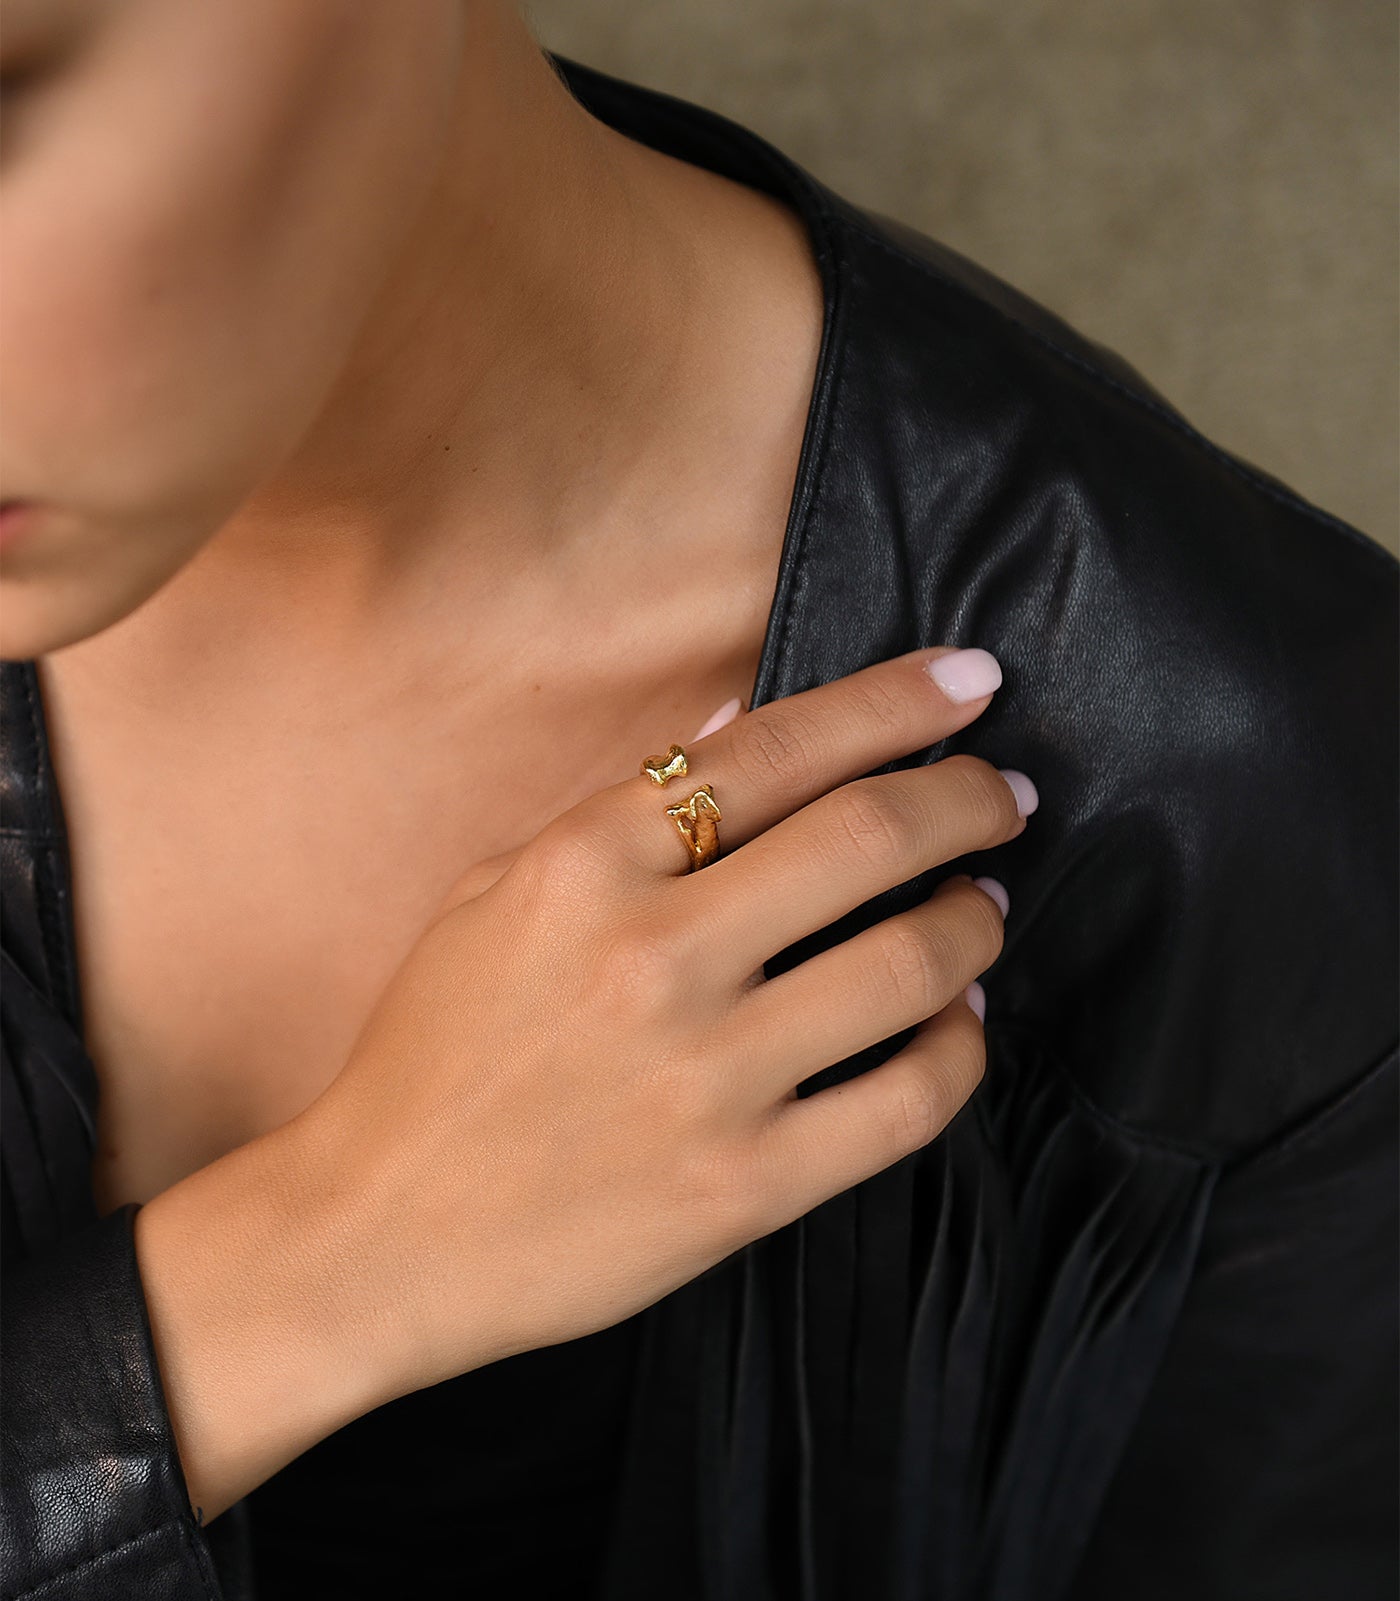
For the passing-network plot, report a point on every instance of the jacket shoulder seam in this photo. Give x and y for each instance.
(1174, 419)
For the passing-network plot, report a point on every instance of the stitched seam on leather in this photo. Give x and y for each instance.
(197, 1546)
(1179, 423)
(1300, 1130)
(97, 1561)
(1276, 1143)
(827, 401)
(1138, 1136)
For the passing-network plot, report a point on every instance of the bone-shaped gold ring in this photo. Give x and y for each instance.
(695, 817)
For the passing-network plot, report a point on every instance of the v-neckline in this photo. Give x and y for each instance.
(692, 133)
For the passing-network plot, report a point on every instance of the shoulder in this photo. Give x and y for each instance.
(973, 347)
(1200, 674)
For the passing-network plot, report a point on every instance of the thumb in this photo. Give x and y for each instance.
(478, 878)
(482, 875)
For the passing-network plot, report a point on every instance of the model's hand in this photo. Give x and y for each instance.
(483, 874)
(578, 1091)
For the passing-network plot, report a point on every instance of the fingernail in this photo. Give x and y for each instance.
(1027, 797)
(997, 890)
(726, 714)
(965, 675)
(977, 1000)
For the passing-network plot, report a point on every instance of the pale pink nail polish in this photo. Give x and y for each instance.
(965, 675)
(977, 1000)
(726, 714)
(1027, 796)
(997, 890)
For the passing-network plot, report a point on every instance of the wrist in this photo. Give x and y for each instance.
(262, 1327)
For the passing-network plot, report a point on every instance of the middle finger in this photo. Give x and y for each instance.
(842, 849)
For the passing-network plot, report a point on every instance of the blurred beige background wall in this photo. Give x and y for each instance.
(1207, 186)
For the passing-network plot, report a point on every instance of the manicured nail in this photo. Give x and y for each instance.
(726, 714)
(997, 890)
(965, 675)
(1027, 797)
(977, 1000)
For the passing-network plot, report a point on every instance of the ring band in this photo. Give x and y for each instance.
(695, 817)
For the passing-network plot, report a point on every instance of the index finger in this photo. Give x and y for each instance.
(780, 756)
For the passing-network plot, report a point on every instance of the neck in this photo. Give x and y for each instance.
(539, 346)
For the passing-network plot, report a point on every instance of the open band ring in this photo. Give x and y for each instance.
(695, 817)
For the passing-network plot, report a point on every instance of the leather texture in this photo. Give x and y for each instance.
(1128, 1327)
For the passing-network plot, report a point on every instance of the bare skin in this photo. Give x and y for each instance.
(409, 454)
(578, 1092)
(472, 732)
(622, 609)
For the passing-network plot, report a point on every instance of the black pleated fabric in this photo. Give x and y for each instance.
(920, 1390)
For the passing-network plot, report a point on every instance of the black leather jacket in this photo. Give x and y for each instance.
(1128, 1327)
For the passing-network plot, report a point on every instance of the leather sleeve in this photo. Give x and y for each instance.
(95, 1503)
(1264, 1464)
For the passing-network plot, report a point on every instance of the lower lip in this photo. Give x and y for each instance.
(15, 517)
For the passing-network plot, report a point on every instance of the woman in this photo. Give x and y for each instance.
(407, 434)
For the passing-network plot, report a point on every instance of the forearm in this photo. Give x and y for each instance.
(261, 1318)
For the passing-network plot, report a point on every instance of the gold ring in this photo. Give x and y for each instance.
(694, 817)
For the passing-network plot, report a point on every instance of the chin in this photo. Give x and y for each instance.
(68, 574)
(39, 616)
(58, 588)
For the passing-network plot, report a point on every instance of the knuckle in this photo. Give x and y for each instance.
(984, 795)
(942, 1079)
(563, 855)
(680, 1099)
(776, 744)
(919, 1111)
(883, 702)
(915, 964)
(990, 928)
(639, 970)
(967, 1063)
(717, 1189)
(873, 824)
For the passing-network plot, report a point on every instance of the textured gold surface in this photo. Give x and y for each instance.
(696, 819)
(659, 768)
